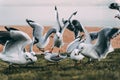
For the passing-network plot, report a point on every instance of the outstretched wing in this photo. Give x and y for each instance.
(19, 40)
(68, 21)
(50, 31)
(103, 41)
(58, 21)
(87, 35)
(37, 29)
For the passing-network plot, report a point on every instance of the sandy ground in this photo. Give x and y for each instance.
(67, 37)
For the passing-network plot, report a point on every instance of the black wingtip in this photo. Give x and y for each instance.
(10, 28)
(55, 8)
(28, 20)
(75, 13)
(6, 28)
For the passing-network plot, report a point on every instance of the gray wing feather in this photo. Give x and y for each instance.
(37, 28)
(103, 42)
(56, 58)
(50, 31)
(94, 35)
(17, 37)
(58, 21)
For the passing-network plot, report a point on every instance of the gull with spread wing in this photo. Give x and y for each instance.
(14, 48)
(101, 48)
(58, 37)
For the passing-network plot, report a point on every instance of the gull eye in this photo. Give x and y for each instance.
(82, 47)
(75, 54)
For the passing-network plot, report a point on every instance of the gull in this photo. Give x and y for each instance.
(101, 48)
(40, 40)
(53, 57)
(76, 55)
(13, 51)
(58, 37)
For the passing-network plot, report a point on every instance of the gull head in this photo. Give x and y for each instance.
(32, 56)
(29, 21)
(75, 52)
(82, 47)
(59, 35)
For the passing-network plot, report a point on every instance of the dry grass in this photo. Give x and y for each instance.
(107, 69)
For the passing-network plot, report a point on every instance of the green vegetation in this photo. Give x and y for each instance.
(106, 69)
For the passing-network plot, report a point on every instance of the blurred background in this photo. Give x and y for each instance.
(90, 12)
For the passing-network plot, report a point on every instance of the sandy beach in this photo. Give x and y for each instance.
(67, 37)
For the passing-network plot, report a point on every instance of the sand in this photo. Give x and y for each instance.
(67, 37)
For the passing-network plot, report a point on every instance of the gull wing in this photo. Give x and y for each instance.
(56, 58)
(74, 44)
(4, 37)
(103, 42)
(87, 35)
(67, 23)
(19, 40)
(50, 31)
(58, 21)
(94, 35)
(37, 29)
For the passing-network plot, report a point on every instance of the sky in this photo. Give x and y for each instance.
(90, 12)
(55, 2)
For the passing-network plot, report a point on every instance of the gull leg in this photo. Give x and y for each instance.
(51, 49)
(10, 68)
(80, 62)
(41, 49)
(60, 50)
(75, 63)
